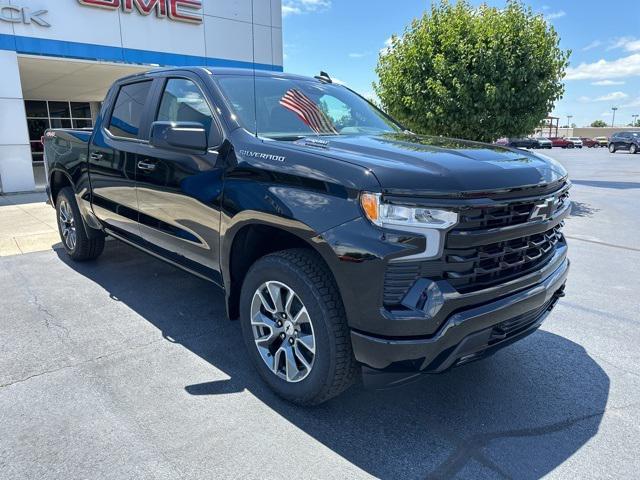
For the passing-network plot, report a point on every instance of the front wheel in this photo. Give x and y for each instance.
(295, 328)
(612, 148)
(73, 233)
(633, 149)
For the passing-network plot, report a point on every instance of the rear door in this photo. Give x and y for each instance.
(179, 192)
(119, 137)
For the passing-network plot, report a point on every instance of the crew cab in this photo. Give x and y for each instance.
(343, 242)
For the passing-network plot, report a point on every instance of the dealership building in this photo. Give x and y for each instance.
(59, 57)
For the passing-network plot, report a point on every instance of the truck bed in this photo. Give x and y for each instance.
(65, 146)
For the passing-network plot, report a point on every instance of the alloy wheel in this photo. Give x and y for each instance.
(67, 225)
(282, 331)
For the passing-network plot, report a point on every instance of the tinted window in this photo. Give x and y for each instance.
(182, 101)
(59, 109)
(128, 109)
(37, 128)
(60, 123)
(82, 123)
(80, 110)
(36, 108)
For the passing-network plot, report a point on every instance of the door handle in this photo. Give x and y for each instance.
(95, 156)
(146, 166)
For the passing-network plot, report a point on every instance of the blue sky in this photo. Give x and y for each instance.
(343, 37)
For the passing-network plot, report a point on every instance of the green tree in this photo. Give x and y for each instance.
(478, 73)
(598, 123)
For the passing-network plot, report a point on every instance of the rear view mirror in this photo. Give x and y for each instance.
(179, 135)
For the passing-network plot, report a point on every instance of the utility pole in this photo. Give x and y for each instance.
(613, 120)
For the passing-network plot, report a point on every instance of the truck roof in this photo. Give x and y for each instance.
(216, 71)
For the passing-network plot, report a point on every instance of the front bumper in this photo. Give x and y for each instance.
(467, 334)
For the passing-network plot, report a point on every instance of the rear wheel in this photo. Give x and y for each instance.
(612, 148)
(633, 148)
(73, 233)
(295, 329)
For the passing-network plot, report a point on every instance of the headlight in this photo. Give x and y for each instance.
(402, 215)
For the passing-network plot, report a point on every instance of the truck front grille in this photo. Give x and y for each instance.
(470, 269)
(488, 265)
(515, 213)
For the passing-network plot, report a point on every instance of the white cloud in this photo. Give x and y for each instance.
(554, 15)
(296, 7)
(612, 96)
(628, 66)
(592, 45)
(607, 83)
(609, 97)
(630, 44)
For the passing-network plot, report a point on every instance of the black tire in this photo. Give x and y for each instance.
(84, 248)
(612, 148)
(633, 149)
(334, 368)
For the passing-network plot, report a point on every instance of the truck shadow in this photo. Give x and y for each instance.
(519, 414)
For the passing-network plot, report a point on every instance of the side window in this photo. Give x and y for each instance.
(182, 101)
(128, 109)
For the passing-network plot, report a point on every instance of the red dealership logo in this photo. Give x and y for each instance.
(178, 10)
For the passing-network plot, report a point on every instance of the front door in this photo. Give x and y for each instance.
(179, 192)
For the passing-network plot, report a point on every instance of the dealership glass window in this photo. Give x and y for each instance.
(128, 109)
(42, 114)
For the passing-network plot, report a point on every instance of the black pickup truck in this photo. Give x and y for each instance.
(343, 242)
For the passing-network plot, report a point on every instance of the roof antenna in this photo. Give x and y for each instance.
(324, 77)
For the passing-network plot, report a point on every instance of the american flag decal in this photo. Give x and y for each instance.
(308, 112)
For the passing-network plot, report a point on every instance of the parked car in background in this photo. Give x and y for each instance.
(602, 141)
(577, 141)
(625, 141)
(589, 142)
(520, 142)
(544, 142)
(561, 142)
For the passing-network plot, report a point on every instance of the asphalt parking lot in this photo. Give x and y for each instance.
(126, 368)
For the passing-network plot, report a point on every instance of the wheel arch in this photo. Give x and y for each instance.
(58, 179)
(247, 241)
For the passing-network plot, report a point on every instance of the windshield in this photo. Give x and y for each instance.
(288, 109)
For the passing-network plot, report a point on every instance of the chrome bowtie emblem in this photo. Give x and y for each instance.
(544, 210)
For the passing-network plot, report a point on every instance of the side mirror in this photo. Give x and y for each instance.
(179, 135)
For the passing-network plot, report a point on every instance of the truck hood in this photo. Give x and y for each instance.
(410, 164)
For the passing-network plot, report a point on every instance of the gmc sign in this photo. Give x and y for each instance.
(178, 10)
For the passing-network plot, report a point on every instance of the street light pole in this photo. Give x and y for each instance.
(569, 117)
(613, 120)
